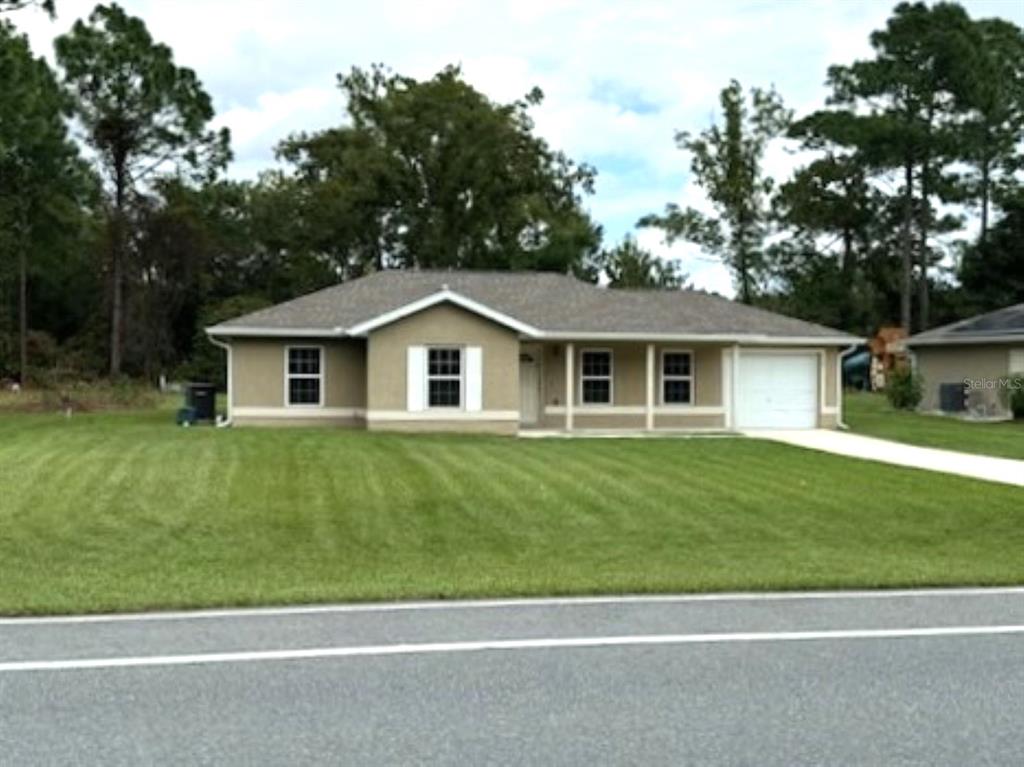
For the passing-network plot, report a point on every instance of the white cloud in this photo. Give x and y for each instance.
(271, 68)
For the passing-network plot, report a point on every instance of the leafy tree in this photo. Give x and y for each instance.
(726, 162)
(807, 282)
(287, 256)
(207, 362)
(992, 92)
(627, 265)
(992, 270)
(201, 246)
(142, 114)
(433, 174)
(899, 111)
(42, 181)
(6, 6)
(830, 205)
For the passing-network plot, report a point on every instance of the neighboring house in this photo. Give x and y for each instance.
(505, 351)
(965, 366)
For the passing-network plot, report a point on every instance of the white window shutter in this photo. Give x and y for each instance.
(416, 378)
(474, 378)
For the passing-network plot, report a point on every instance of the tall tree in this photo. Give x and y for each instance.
(991, 90)
(142, 114)
(434, 174)
(899, 111)
(41, 178)
(627, 265)
(727, 164)
(829, 207)
(992, 270)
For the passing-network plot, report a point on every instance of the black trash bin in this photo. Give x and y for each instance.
(202, 399)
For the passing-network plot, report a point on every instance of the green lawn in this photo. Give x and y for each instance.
(871, 414)
(126, 511)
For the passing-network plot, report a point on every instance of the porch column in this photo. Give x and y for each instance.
(734, 380)
(570, 360)
(650, 387)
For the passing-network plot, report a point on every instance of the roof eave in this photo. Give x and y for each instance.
(752, 339)
(946, 340)
(254, 331)
(445, 295)
(360, 331)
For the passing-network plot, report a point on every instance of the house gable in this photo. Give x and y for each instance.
(442, 296)
(441, 324)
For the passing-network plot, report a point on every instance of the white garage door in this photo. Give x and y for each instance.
(777, 391)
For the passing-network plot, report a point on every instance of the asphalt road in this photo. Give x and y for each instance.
(929, 678)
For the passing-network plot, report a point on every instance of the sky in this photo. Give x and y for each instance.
(619, 78)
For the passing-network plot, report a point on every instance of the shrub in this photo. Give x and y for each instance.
(904, 388)
(1017, 396)
(58, 391)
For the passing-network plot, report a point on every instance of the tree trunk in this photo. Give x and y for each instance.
(117, 272)
(744, 278)
(741, 259)
(116, 299)
(23, 312)
(906, 246)
(924, 225)
(923, 288)
(846, 268)
(985, 181)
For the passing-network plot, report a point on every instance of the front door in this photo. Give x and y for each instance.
(529, 389)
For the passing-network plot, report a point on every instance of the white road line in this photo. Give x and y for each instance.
(385, 607)
(500, 645)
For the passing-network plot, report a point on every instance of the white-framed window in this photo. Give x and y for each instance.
(1017, 361)
(596, 369)
(304, 376)
(445, 371)
(676, 377)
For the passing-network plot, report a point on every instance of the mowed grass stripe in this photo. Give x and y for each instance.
(129, 512)
(872, 415)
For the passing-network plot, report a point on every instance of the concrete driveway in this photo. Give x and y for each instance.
(985, 467)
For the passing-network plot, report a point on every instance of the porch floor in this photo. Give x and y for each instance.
(532, 433)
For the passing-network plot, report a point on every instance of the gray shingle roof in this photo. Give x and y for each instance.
(1002, 325)
(552, 303)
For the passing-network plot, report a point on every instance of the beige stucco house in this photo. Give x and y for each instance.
(505, 352)
(967, 367)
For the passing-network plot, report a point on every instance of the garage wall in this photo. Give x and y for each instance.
(955, 364)
(831, 371)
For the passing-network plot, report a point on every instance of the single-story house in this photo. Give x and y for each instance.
(510, 351)
(965, 366)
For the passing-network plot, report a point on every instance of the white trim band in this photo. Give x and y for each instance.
(436, 298)
(299, 413)
(441, 414)
(585, 410)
